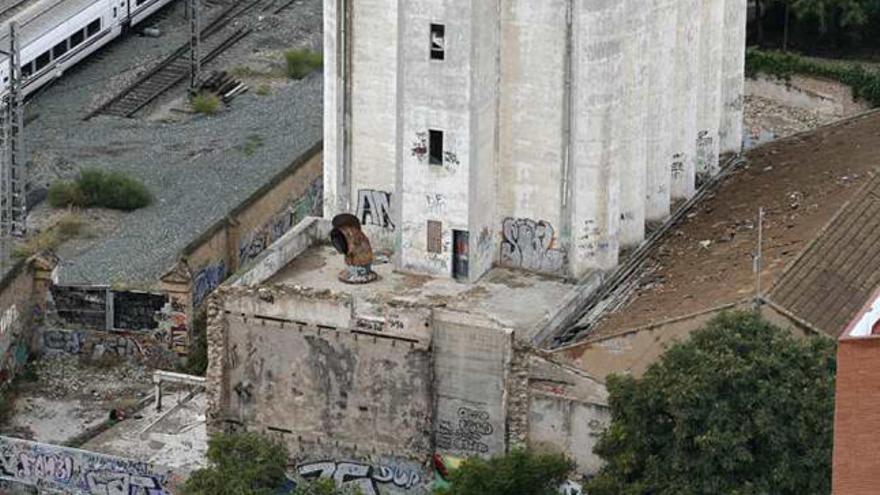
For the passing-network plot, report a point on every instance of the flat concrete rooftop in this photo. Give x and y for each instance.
(523, 301)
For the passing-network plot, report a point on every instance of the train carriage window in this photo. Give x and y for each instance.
(93, 27)
(59, 50)
(77, 38)
(42, 61)
(27, 69)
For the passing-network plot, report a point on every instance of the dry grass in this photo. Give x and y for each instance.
(69, 226)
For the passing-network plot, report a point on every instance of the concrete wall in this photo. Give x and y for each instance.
(56, 469)
(633, 351)
(567, 124)
(16, 316)
(597, 58)
(343, 384)
(730, 133)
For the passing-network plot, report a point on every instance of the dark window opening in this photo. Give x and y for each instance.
(77, 38)
(42, 61)
(59, 49)
(435, 236)
(435, 147)
(438, 42)
(27, 69)
(93, 27)
(139, 2)
(114, 12)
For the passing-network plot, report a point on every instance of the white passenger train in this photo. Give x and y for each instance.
(56, 34)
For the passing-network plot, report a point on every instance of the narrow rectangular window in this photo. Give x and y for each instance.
(114, 12)
(59, 50)
(435, 236)
(42, 61)
(93, 27)
(27, 69)
(77, 38)
(438, 42)
(435, 147)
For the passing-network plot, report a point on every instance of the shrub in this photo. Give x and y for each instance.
(206, 103)
(65, 193)
(240, 463)
(742, 407)
(197, 360)
(865, 83)
(97, 188)
(301, 63)
(521, 472)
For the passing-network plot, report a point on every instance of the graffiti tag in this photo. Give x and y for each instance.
(529, 245)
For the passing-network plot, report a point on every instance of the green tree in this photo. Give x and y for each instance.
(520, 472)
(240, 464)
(741, 408)
(324, 486)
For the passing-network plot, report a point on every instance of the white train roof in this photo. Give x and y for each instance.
(38, 17)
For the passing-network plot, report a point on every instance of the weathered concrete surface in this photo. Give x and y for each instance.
(565, 124)
(510, 298)
(411, 380)
(60, 469)
(16, 311)
(174, 437)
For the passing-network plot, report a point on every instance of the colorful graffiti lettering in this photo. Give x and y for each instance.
(529, 245)
(206, 280)
(63, 470)
(173, 327)
(363, 477)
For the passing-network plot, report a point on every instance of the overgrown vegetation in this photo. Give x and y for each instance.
(205, 103)
(241, 463)
(520, 472)
(325, 486)
(301, 63)
(263, 89)
(826, 27)
(742, 407)
(70, 226)
(865, 82)
(197, 360)
(251, 144)
(99, 188)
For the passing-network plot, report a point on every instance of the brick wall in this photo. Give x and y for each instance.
(856, 468)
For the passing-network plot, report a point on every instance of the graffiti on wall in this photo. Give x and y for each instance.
(88, 343)
(465, 435)
(85, 306)
(173, 327)
(529, 245)
(309, 204)
(206, 280)
(419, 147)
(374, 208)
(364, 477)
(75, 471)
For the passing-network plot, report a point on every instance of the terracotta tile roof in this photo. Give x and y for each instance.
(828, 284)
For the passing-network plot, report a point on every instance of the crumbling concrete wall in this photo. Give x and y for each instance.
(358, 387)
(16, 316)
(296, 364)
(56, 469)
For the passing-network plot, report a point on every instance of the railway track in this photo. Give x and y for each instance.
(175, 68)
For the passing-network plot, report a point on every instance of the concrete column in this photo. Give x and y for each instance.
(709, 111)
(661, 77)
(732, 89)
(597, 55)
(686, 101)
(633, 125)
(335, 200)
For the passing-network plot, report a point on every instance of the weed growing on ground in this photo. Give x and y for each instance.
(205, 103)
(98, 188)
(251, 144)
(301, 63)
(263, 89)
(68, 227)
